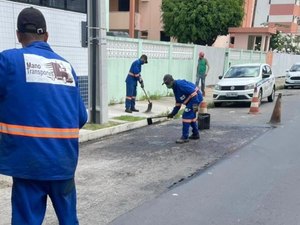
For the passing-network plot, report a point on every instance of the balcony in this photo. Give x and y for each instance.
(120, 21)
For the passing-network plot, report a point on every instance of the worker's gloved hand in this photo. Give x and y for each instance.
(170, 115)
(195, 107)
(141, 83)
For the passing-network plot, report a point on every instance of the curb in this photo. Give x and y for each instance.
(88, 135)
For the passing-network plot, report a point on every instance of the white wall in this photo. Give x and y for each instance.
(215, 58)
(282, 2)
(282, 62)
(281, 18)
(64, 29)
(262, 12)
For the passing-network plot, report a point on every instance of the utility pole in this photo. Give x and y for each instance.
(97, 58)
(131, 18)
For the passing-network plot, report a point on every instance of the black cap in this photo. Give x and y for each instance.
(31, 20)
(145, 58)
(167, 79)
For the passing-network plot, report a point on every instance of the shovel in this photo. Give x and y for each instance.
(149, 120)
(149, 103)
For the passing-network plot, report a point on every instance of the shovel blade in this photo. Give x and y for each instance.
(149, 107)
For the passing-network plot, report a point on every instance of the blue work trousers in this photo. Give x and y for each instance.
(189, 118)
(29, 201)
(130, 94)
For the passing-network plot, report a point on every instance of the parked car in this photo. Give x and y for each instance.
(238, 83)
(292, 77)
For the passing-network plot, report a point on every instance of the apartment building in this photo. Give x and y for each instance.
(262, 19)
(282, 14)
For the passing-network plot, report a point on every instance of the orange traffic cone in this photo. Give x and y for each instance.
(276, 115)
(203, 107)
(254, 107)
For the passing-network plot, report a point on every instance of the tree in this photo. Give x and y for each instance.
(288, 43)
(200, 21)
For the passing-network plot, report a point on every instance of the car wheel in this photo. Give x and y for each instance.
(285, 87)
(271, 97)
(217, 104)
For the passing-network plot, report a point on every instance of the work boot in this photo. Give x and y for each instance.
(134, 110)
(182, 140)
(194, 136)
(128, 110)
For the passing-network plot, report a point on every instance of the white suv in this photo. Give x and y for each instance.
(292, 77)
(238, 83)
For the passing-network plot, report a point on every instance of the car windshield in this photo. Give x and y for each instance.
(295, 68)
(242, 71)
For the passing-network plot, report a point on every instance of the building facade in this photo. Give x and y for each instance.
(261, 20)
(284, 15)
(147, 18)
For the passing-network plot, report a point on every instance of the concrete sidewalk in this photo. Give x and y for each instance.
(159, 107)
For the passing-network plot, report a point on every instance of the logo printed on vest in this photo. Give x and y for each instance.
(52, 71)
(182, 97)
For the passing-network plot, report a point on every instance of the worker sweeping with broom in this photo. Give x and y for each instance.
(134, 76)
(188, 94)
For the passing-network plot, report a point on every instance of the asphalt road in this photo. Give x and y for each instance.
(121, 172)
(258, 184)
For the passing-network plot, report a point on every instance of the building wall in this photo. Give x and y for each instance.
(282, 62)
(64, 29)
(249, 6)
(274, 2)
(113, 5)
(240, 41)
(151, 18)
(282, 14)
(262, 12)
(147, 18)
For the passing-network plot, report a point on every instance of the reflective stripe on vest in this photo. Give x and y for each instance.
(189, 120)
(39, 132)
(134, 75)
(191, 95)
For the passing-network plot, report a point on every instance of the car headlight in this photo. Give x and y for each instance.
(217, 87)
(249, 86)
(287, 75)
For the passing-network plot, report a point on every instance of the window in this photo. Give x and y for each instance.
(54, 3)
(266, 70)
(124, 5)
(76, 5)
(144, 34)
(232, 40)
(72, 5)
(36, 2)
(254, 43)
(164, 36)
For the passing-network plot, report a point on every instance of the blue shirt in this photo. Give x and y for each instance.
(185, 93)
(135, 70)
(41, 112)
